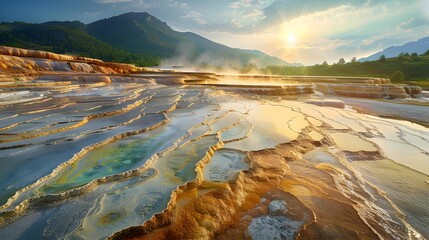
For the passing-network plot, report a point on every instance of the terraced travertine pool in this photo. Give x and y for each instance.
(138, 159)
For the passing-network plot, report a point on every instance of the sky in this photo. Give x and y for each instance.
(299, 31)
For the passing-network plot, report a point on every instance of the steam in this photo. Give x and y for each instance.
(190, 58)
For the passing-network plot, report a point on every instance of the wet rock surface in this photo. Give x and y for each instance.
(142, 157)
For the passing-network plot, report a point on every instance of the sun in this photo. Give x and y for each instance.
(291, 39)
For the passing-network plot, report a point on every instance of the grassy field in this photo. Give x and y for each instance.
(423, 83)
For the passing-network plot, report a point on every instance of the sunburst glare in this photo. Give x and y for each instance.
(291, 39)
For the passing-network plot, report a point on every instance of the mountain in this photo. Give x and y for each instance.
(420, 46)
(138, 38)
(67, 38)
(269, 60)
(136, 32)
(143, 33)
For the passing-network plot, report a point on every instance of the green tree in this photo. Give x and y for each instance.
(426, 53)
(248, 68)
(401, 56)
(382, 58)
(341, 61)
(397, 76)
(325, 63)
(353, 60)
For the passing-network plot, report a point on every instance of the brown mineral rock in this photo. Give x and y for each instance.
(369, 90)
(33, 60)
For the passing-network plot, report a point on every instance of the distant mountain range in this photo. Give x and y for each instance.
(138, 38)
(420, 46)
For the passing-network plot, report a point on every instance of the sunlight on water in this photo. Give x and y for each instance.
(136, 150)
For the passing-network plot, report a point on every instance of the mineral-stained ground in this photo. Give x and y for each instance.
(155, 155)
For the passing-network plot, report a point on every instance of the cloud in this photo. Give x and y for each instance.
(414, 22)
(196, 17)
(113, 1)
(283, 10)
(92, 14)
(342, 30)
(329, 29)
(257, 15)
(242, 3)
(254, 13)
